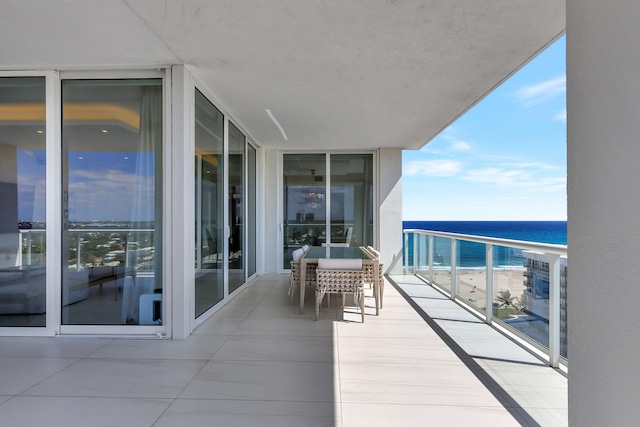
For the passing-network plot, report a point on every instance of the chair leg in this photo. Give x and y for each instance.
(318, 302)
(361, 301)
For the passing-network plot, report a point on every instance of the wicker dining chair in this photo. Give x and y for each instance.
(294, 278)
(340, 276)
(368, 272)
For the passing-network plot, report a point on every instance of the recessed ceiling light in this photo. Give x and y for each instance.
(80, 158)
(104, 131)
(39, 131)
(126, 158)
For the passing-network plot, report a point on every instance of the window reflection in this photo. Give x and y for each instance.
(112, 202)
(22, 201)
(209, 139)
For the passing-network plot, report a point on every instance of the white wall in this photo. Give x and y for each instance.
(390, 208)
(272, 217)
(603, 105)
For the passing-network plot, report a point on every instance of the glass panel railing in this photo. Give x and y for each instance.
(421, 255)
(521, 281)
(509, 289)
(471, 273)
(442, 262)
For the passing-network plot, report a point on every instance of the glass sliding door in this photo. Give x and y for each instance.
(251, 211)
(209, 221)
(236, 208)
(22, 202)
(304, 210)
(112, 202)
(351, 199)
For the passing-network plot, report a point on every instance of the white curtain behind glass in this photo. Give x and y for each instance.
(142, 260)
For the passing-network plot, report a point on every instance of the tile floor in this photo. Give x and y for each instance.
(257, 362)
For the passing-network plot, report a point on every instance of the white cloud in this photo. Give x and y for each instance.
(110, 194)
(528, 179)
(432, 168)
(561, 116)
(542, 92)
(461, 146)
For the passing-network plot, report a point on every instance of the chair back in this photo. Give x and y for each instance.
(373, 252)
(297, 254)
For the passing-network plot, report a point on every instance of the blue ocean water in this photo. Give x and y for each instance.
(473, 254)
(531, 231)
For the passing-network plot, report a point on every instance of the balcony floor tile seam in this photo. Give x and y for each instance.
(489, 382)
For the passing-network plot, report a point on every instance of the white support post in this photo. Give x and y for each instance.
(454, 276)
(430, 259)
(554, 310)
(416, 242)
(406, 253)
(29, 242)
(489, 297)
(78, 249)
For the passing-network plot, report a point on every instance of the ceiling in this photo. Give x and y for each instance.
(335, 74)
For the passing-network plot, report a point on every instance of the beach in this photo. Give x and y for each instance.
(472, 282)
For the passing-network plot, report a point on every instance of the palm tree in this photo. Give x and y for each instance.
(520, 303)
(505, 299)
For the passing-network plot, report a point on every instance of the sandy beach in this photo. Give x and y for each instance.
(472, 283)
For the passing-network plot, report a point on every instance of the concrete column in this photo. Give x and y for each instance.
(182, 203)
(273, 215)
(603, 110)
(390, 208)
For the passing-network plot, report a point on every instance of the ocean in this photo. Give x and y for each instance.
(473, 254)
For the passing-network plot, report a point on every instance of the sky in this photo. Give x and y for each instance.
(504, 160)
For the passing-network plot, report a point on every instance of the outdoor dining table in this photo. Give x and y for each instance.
(317, 252)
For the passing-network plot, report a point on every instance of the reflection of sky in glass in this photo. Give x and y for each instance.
(111, 186)
(31, 185)
(102, 186)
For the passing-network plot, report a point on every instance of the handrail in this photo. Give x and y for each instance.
(554, 252)
(520, 244)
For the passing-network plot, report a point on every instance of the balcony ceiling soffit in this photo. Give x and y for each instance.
(336, 74)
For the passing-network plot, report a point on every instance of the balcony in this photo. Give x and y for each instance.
(258, 362)
(518, 286)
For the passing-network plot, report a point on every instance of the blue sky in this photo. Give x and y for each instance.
(505, 159)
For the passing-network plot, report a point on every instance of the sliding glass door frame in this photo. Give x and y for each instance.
(53, 225)
(165, 209)
(227, 232)
(281, 202)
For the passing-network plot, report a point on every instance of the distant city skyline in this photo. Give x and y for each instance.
(505, 159)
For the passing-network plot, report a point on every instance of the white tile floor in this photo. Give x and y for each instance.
(257, 362)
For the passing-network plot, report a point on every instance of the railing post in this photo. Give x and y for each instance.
(406, 252)
(489, 297)
(416, 242)
(78, 246)
(29, 241)
(430, 259)
(454, 276)
(554, 310)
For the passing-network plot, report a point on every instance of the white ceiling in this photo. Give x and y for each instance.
(336, 73)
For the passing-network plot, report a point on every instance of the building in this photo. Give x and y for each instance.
(536, 296)
(225, 95)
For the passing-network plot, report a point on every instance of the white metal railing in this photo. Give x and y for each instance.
(543, 268)
(27, 236)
